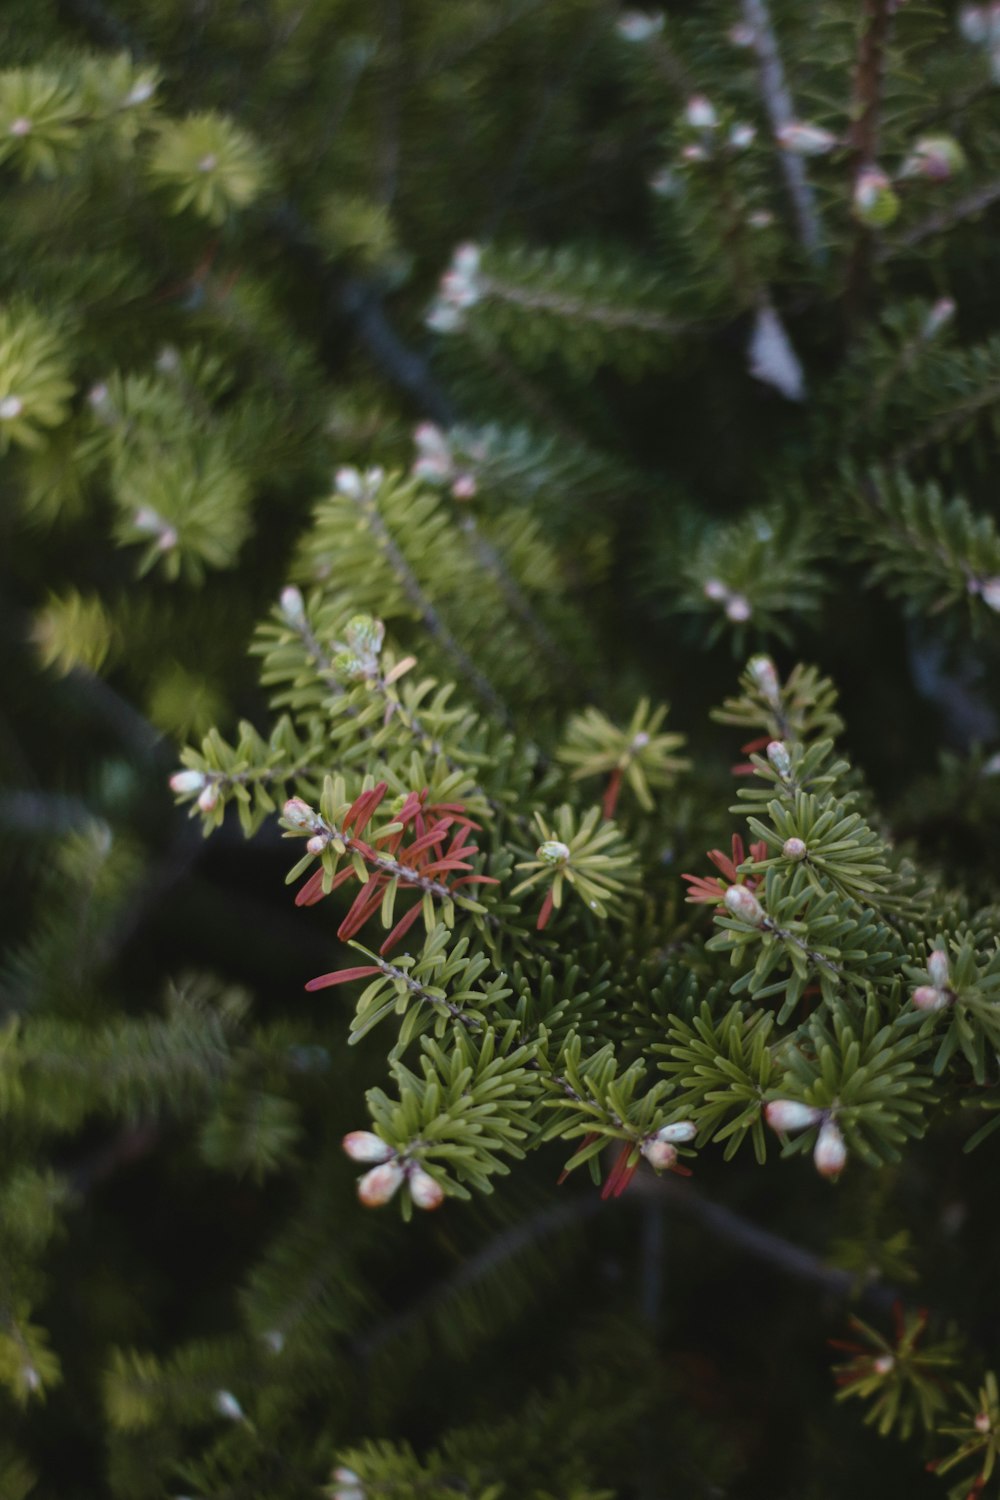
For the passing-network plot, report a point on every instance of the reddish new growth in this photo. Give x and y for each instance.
(425, 854)
(747, 767)
(622, 1172)
(705, 888)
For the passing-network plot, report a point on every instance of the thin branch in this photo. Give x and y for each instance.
(864, 135)
(781, 111)
(945, 218)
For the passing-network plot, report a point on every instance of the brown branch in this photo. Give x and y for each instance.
(864, 137)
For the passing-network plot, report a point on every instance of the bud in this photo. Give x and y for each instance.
(665, 183)
(10, 408)
(935, 157)
(738, 609)
(700, 113)
(761, 218)
(347, 1485)
(982, 1421)
(764, 674)
(425, 1192)
(974, 24)
(365, 1145)
(803, 139)
(777, 754)
(293, 606)
(187, 781)
(317, 843)
(786, 1115)
(744, 904)
(937, 968)
(694, 153)
(348, 482)
(990, 593)
(682, 1131)
(140, 93)
(741, 136)
(553, 852)
(794, 848)
(874, 203)
(639, 741)
(20, 126)
(660, 1154)
(299, 813)
(941, 313)
(884, 1365)
(830, 1155)
(376, 1187)
(208, 162)
(365, 635)
(227, 1405)
(741, 35)
(636, 26)
(715, 590)
(274, 1339)
(926, 997)
(464, 487)
(209, 798)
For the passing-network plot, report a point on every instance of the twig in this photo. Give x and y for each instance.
(864, 135)
(781, 112)
(966, 207)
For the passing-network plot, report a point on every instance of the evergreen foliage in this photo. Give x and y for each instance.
(398, 405)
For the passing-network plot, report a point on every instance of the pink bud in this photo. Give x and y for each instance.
(682, 1131)
(660, 1154)
(786, 1115)
(738, 609)
(926, 997)
(425, 1192)
(830, 1155)
(209, 798)
(715, 590)
(744, 904)
(317, 843)
(464, 487)
(794, 849)
(376, 1187)
(884, 1365)
(365, 1145)
(982, 1422)
(292, 605)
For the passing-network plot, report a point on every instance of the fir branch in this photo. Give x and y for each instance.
(943, 219)
(780, 111)
(580, 309)
(366, 500)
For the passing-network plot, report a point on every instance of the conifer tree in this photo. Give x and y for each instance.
(519, 475)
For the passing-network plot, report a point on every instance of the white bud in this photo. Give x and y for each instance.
(830, 1155)
(292, 605)
(777, 754)
(466, 259)
(20, 126)
(741, 35)
(444, 319)
(941, 313)
(982, 1421)
(741, 136)
(187, 781)
(884, 1365)
(761, 218)
(990, 592)
(317, 843)
(209, 162)
(680, 1132)
(874, 203)
(764, 674)
(738, 609)
(140, 93)
(348, 482)
(786, 1115)
(376, 1187)
(974, 23)
(803, 139)
(937, 968)
(274, 1339)
(464, 487)
(365, 1145)
(299, 813)
(794, 848)
(694, 152)
(637, 26)
(744, 904)
(31, 1378)
(209, 798)
(167, 539)
(553, 852)
(665, 183)
(660, 1154)
(639, 741)
(227, 1405)
(11, 407)
(344, 1475)
(934, 157)
(700, 113)
(715, 590)
(424, 1190)
(926, 997)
